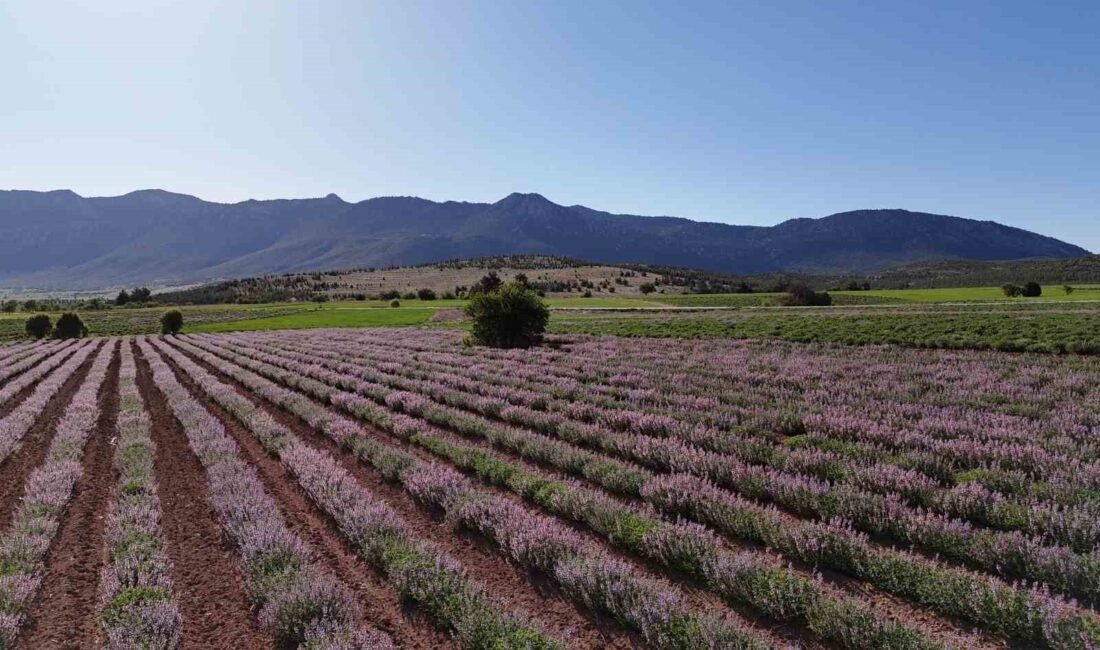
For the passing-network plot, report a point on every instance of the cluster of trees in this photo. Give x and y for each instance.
(69, 326)
(1028, 290)
(139, 296)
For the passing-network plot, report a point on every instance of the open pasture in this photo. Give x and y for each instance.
(391, 488)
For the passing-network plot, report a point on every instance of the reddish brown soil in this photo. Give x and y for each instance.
(382, 608)
(30, 453)
(522, 591)
(207, 582)
(64, 612)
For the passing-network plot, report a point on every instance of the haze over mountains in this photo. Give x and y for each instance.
(60, 240)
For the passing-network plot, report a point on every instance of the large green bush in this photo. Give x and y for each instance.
(512, 316)
(171, 322)
(39, 326)
(69, 326)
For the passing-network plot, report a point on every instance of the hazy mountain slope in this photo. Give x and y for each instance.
(62, 240)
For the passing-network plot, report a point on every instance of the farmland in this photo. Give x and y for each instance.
(390, 487)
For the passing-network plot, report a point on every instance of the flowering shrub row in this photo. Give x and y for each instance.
(753, 394)
(12, 352)
(1016, 612)
(435, 581)
(298, 602)
(137, 604)
(59, 354)
(48, 489)
(37, 354)
(1006, 553)
(584, 571)
(20, 419)
(1077, 526)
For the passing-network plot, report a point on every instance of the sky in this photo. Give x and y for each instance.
(739, 112)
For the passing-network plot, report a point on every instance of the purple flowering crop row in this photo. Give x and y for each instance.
(138, 608)
(20, 419)
(584, 571)
(1075, 526)
(299, 604)
(36, 354)
(1014, 612)
(416, 571)
(46, 492)
(53, 359)
(1005, 553)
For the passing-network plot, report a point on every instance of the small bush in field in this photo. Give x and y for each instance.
(510, 317)
(171, 322)
(69, 326)
(39, 326)
(395, 303)
(799, 295)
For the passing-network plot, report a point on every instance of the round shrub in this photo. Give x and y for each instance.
(395, 303)
(69, 326)
(1031, 290)
(512, 316)
(171, 322)
(39, 326)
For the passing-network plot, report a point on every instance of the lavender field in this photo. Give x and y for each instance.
(392, 488)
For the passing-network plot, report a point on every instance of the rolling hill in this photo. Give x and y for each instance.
(61, 240)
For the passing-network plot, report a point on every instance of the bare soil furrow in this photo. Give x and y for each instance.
(64, 614)
(208, 583)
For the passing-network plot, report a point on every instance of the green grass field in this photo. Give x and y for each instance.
(400, 317)
(979, 317)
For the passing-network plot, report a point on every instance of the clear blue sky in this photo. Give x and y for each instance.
(738, 112)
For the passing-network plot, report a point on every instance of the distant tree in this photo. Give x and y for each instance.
(1031, 290)
(69, 326)
(1011, 290)
(800, 295)
(425, 294)
(392, 294)
(488, 283)
(10, 306)
(408, 295)
(30, 305)
(513, 316)
(646, 288)
(38, 326)
(1065, 287)
(122, 298)
(141, 294)
(96, 304)
(171, 322)
(395, 303)
(319, 297)
(587, 293)
(521, 278)
(743, 287)
(448, 295)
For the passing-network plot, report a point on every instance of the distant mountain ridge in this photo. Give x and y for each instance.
(61, 240)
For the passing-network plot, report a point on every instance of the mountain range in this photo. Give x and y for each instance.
(61, 240)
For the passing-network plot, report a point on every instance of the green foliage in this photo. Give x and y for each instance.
(395, 303)
(171, 322)
(511, 317)
(38, 326)
(122, 298)
(1031, 290)
(69, 326)
(1012, 290)
(647, 288)
(425, 294)
(800, 295)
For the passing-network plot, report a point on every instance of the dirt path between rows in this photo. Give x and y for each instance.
(207, 581)
(382, 607)
(523, 591)
(30, 453)
(64, 614)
